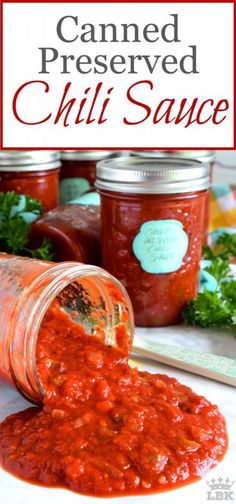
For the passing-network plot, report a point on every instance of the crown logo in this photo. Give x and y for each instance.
(220, 484)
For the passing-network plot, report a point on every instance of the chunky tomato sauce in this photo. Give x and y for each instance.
(105, 428)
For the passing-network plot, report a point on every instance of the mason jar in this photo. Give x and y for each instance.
(78, 173)
(74, 230)
(35, 173)
(203, 156)
(27, 289)
(152, 219)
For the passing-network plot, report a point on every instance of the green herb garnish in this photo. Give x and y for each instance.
(225, 247)
(14, 228)
(44, 252)
(216, 309)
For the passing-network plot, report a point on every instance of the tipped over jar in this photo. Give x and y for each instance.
(152, 220)
(89, 295)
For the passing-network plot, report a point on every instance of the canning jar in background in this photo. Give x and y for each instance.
(152, 217)
(78, 173)
(225, 169)
(27, 289)
(35, 173)
(203, 156)
(74, 230)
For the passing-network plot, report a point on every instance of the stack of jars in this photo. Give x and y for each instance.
(148, 230)
(74, 227)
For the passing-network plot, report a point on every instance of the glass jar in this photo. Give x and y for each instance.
(74, 230)
(27, 289)
(152, 217)
(35, 173)
(203, 156)
(78, 173)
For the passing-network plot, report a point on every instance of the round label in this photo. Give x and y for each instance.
(161, 245)
(71, 188)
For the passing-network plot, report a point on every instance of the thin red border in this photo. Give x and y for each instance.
(104, 147)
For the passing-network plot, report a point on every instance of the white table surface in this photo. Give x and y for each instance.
(14, 491)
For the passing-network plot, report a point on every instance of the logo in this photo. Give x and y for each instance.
(220, 490)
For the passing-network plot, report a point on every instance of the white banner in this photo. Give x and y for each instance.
(151, 75)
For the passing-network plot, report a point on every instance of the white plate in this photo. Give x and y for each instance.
(14, 491)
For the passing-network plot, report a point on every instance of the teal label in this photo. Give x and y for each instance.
(22, 209)
(90, 198)
(206, 281)
(72, 188)
(161, 245)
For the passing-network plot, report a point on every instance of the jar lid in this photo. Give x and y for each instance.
(85, 155)
(199, 155)
(152, 176)
(28, 160)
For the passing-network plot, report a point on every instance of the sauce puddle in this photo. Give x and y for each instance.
(106, 429)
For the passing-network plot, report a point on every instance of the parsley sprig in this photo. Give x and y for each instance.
(15, 230)
(225, 247)
(216, 309)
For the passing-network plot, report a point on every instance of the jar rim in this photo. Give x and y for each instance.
(203, 156)
(152, 176)
(85, 155)
(28, 160)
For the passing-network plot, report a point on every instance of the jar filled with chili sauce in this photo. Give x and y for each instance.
(78, 173)
(203, 156)
(74, 230)
(152, 218)
(89, 295)
(35, 173)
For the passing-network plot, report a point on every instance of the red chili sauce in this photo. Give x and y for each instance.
(72, 168)
(41, 184)
(106, 429)
(77, 176)
(157, 299)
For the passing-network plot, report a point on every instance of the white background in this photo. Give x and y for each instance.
(29, 26)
